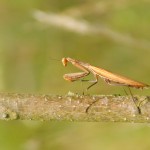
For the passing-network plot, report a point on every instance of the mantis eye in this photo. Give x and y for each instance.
(64, 61)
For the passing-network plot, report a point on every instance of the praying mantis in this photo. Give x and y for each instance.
(107, 76)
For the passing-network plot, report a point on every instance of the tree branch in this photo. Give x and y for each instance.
(73, 108)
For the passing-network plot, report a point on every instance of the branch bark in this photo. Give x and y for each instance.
(73, 107)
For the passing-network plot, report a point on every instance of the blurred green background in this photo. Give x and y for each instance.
(27, 47)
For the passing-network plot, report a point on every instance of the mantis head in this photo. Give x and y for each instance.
(64, 61)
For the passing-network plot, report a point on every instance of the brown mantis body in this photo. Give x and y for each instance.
(109, 77)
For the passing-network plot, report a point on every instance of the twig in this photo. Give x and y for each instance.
(73, 108)
(95, 7)
(84, 27)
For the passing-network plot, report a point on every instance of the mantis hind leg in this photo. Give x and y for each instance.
(134, 100)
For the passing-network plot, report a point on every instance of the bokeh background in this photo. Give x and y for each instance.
(113, 34)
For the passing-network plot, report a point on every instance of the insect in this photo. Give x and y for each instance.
(107, 76)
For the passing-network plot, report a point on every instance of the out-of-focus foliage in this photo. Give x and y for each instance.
(27, 50)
